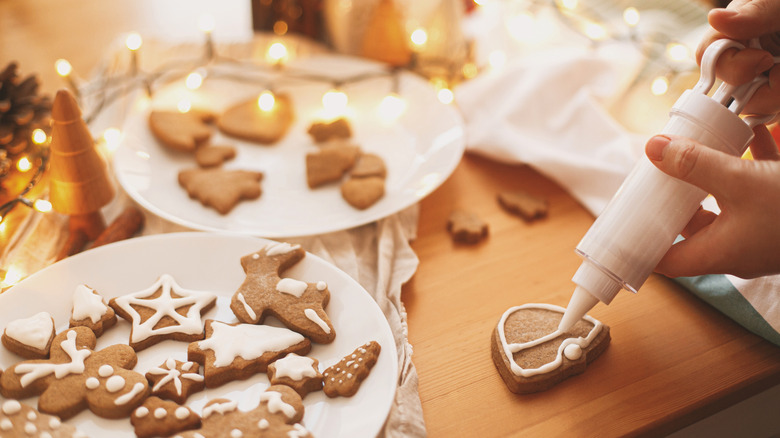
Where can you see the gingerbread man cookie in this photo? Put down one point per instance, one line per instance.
(20, 420)
(221, 189)
(300, 373)
(298, 305)
(30, 337)
(175, 380)
(344, 378)
(163, 311)
(90, 310)
(75, 377)
(277, 415)
(238, 351)
(158, 417)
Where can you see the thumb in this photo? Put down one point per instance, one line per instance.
(694, 163)
(745, 19)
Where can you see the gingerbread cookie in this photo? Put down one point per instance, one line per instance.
(300, 373)
(344, 378)
(90, 310)
(158, 417)
(298, 305)
(181, 131)
(329, 163)
(466, 227)
(20, 420)
(75, 377)
(239, 351)
(212, 156)
(30, 337)
(362, 193)
(175, 380)
(324, 131)
(532, 355)
(277, 415)
(163, 311)
(369, 165)
(221, 189)
(524, 205)
(248, 121)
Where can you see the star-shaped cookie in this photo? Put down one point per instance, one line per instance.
(297, 304)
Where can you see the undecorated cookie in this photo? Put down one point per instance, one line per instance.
(219, 188)
(247, 121)
(213, 156)
(369, 165)
(324, 131)
(523, 204)
(531, 355)
(362, 193)
(466, 227)
(30, 337)
(181, 131)
(330, 162)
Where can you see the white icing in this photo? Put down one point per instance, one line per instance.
(92, 383)
(280, 248)
(295, 367)
(160, 413)
(312, 315)
(6, 424)
(105, 370)
(141, 412)
(321, 285)
(298, 431)
(255, 256)
(54, 423)
(181, 412)
(44, 434)
(186, 366)
(124, 399)
(115, 383)
(247, 341)
(236, 433)
(165, 305)
(510, 349)
(33, 371)
(220, 408)
(572, 352)
(276, 404)
(11, 407)
(174, 375)
(249, 311)
(291, 286)
(30, 428)
(87, 304)
(35, 331)
(31, 416)
(263, 424)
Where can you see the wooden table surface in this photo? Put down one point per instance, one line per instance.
(672, 359)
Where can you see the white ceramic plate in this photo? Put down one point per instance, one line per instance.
(421, 149)
(210, 262)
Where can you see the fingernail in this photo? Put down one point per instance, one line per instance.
(656, 146)
(765, 64)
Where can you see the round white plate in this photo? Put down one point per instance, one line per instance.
(421, 149)
(210, 262)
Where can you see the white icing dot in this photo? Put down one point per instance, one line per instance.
(332, 379)
(356, 366)
(572, 351)
(115, 383)
(160, 413)
(105, 370)
(6, 424)
(44, 434)
(31, 416)
(92, 383)
(354, 356)
(362, 350)
(141, 412)
(197, 435)
(255, 256)
(349, 375)
(360, 359)
(235, 433)
(263, 424)
(321, 285)
(55, 423)
(11, 407)
(181, 412)
(30, 428)
(341, 381)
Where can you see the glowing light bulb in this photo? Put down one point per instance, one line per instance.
(112, 136)
(570, 4)
(470, 70)
(677, 52)
(277, 53)
(659, 86)
(631, 16)
(184, 106)
(63, 67)
(497, 59)
(206, 23)
(133, 41)
(12, 276)
(446, 96)
(194, 81)
(392, 107)
(335, 102)
(595, 31)
(266, 101)
(419, 37)
(24, 164)
(42, 205)
(39, 136)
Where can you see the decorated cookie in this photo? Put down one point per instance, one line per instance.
(369, 165)
(362, 193)
(297, 304)
(75, 377)
(344, 378)
(532, 355)
(524, 205)
(248, 121)
(466, 227)
(300, 373)
(158, 417)
(175, 380)
(181, 131)
(30, 337)
(90, 310)
(239, 351)
(163, 311)
(20, 420)
(277, 415)
(329, 163)
(324, 131)
(221, 189)
(212, 156)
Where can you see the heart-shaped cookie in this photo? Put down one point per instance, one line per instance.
(248, 121)
(30, 337)
(532, 355)
(362, 193)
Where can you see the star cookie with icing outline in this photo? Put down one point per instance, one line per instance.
(297, 304)
(163, 311)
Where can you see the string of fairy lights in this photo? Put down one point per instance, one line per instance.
(102, 91)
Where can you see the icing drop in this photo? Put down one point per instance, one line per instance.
(572, 352)
(115, 383)
(219, 408)
(247, 341)
(105, 370)
(249, 311)
(276, 404)
(263, 424)
(291, 286)
(6, 424)
(236, 433)
(124, 399)
(87, 304)
(160, 413)
(321, 285)
(181, 412)
(11, 407)
(30, 428)
(312, 315)
(92, 383)
(298, 432)
(142, 412)
(31, 416)
(33, 371)
(295, 367)
(280, 248)
(54, 423)
(34, 331)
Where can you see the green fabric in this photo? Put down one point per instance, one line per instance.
(718, 291)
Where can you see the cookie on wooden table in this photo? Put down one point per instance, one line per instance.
(466, 227)
(522, 204)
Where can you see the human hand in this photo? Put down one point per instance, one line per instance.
(744, 239)
(744, 20)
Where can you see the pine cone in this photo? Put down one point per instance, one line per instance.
(22, 110)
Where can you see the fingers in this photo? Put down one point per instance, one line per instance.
(766, 99)
(763, 146)
(743, 20)
(700, 219)
(694, 256)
